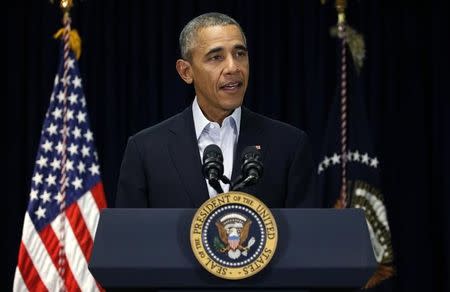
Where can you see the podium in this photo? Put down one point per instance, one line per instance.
(150, 248)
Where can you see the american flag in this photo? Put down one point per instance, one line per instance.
(42, 266)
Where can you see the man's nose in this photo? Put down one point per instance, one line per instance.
(232, 65)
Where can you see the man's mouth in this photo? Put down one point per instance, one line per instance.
(231, 86)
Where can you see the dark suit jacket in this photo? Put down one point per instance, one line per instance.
(161, 167)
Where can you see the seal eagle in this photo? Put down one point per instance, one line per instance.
(233, 237)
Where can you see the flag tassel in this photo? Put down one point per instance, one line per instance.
(74, 40)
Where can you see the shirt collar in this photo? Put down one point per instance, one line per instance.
(200, 121)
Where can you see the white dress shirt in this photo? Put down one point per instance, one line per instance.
(225, 137)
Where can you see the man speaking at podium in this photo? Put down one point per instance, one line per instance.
(162, 165)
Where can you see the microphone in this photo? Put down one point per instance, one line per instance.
(213, 167)
(251, 168)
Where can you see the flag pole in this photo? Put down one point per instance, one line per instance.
(65, 6)
(341, 5)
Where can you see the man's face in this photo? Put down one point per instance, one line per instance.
(219, 69)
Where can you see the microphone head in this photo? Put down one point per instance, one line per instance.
(212, 162)
(252, 162)
(212, 151)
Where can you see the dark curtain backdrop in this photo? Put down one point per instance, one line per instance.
(130, 82)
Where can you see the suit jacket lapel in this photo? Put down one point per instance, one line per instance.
(249, 135)
(183, 149)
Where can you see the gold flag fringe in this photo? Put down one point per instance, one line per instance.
(74, 40)
(383, 271)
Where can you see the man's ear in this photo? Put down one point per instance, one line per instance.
(185, 70)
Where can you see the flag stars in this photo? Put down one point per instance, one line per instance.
(326, 161)
(66, 144)
(89, 136)
(320, 168)
(69, 165)
(42, 162)
(81, 167)
(45, 197)
(81, 117)
(52, 129)
(65, 131)
(57, 113)
(56, 164)
(51, 180)
(37, 178)
(344, 157)
(76, 132)
(59, 147)
(73, 149)
(94, 169)
(33, 194)
(365, 158)
(65, 158)
(77, 183)
(71, 63)
(85, 151)
(354, 157)
(47, 146)
(76, 82)
(40, 212)
(61, 96)
(65, 81)
(59, 198)
(374, 162)
(349, 156)
(335, 159)
(73, 98)
(69, 115)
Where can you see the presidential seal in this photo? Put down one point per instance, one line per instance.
(233, 235)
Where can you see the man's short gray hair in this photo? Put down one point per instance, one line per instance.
(188, 35)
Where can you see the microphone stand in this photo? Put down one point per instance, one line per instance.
(216, 186)
(239, 184)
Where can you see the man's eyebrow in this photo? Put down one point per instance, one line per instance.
(214, 50)
(219, 49)
(241, 47)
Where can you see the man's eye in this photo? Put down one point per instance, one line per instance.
(215, 58)
(241, 53)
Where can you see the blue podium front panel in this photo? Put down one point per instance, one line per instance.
(151, 248)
